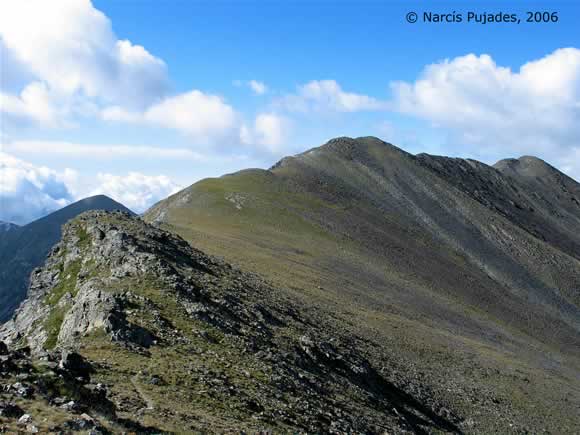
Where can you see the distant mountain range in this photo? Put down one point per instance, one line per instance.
(381, 292)
(7, 226)
(24, 248)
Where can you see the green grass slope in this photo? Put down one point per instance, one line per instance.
(405, 256)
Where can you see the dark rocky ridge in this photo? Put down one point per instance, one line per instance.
(116, 286)
(7, 226)
(529, 192)
(24, 248)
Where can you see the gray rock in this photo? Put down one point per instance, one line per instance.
(22, 390)
(25, 419)
(69, 406)
(75, 363)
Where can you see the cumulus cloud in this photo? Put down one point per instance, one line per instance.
(73, 66)
(73, 50)
(203, 117)
(269, 129)
(135, 190)
(493, 110)
(269, 132)
(76, 67)
(195, 113)
(35, 102)
(28, 192)
(327, 95)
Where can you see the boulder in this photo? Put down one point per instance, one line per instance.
(74, 363)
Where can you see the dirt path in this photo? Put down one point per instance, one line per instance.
(150, 404)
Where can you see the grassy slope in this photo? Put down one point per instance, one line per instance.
(420, 300)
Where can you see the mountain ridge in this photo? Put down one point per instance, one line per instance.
(7, 226)
(24, 248)
(401, 293)
(399, 242)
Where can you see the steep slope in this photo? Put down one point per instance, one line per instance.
(183, 342)
(413, 257)
(26, 247)
(7, 226)
(529, 192)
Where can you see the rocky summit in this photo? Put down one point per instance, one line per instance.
(128, 328)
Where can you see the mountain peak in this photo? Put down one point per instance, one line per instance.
(103, 201)
(7, 226)
(366, 150)
(99, 197)
(349, 144)
(527, 166)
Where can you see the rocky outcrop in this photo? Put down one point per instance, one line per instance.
(69, 297)
(24, 248)
(29, 389)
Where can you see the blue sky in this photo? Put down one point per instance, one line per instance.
(136, 99)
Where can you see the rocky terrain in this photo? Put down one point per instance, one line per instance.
(128, 328)
(22, 248)
(52, 394)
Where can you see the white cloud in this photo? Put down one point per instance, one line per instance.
(101, 151)
(70, 63)
(269, 129)
(327, 95)
(73, 67)
(28, 192)
(201, 116)
(36, 103)
(195, 113)
(259, 88)
(135, 190)
(494, 111)
(269, 132)
(72, 48)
